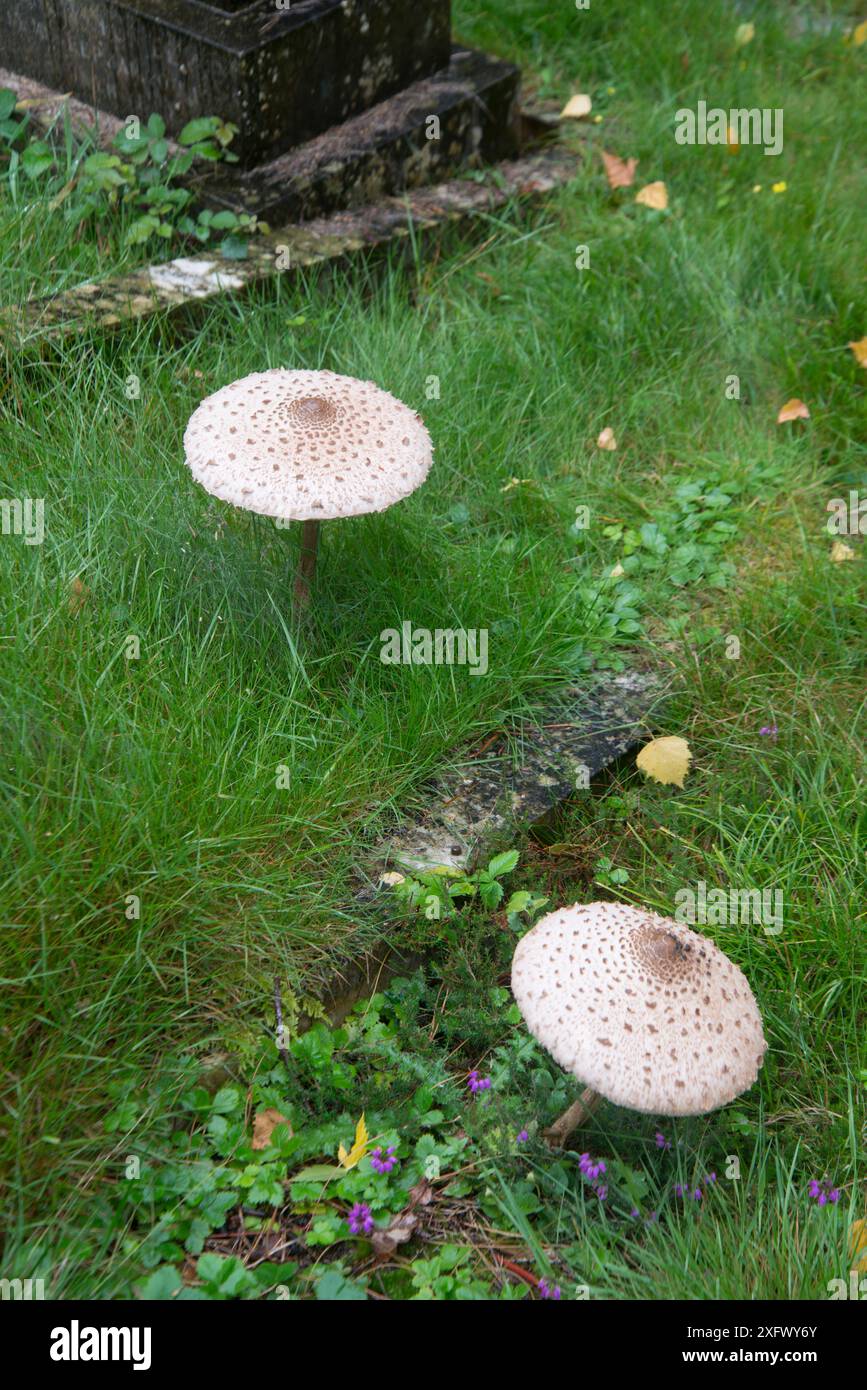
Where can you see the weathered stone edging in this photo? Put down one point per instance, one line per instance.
(174, 285)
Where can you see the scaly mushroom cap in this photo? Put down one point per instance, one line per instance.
(650, 1014)
(306, 445)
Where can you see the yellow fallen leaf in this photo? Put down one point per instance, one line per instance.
(264, 1125)
(620, 173)
(666, 760)
(618, 571)
(858, 1245)
(576, 107)
(793, 410)
(859, 350)
(840, 551)
(606, 439)
(390, 880)
(744, 34)
(653, 195)
(859, 34)
(359, 1146)
(779, 187)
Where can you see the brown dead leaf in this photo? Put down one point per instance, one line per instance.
(78, 596)
(390, 879)
(606, 439)
(859, 351)
(402, 1227)
(399, 1230)
(620, 173)
(577, 107)
(653, 195)
(793, 410)
(422, 1194)
(858, 1245)
(264, 1125)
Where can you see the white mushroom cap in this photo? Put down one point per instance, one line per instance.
(307, 445)
(643, 1010)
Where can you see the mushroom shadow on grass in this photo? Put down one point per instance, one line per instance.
(645, 1012)
(307, 446)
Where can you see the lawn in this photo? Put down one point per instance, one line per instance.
(158, 873)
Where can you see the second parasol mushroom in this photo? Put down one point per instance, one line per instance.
(644, 1011)
(307, 446)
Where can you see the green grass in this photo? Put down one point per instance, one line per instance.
(156, 777)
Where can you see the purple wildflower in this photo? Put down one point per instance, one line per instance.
(769, 731)
(635, 1213)
(547, 1291)
(601, 1191)
(695, 1194)
(360, 1219)
(522, 1137)
(381, 1164)
(823, 1193)
(478, 1083)
(661, 1141)
(589, 1168)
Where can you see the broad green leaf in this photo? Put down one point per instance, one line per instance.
(200, 129)
(503, 863)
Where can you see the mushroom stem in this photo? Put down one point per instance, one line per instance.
(577, 1114)
(307, 563)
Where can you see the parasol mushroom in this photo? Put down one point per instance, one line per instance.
(306, 446)
(644, 1011)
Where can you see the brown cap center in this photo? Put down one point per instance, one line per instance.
(312, 412)
(664, 954)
